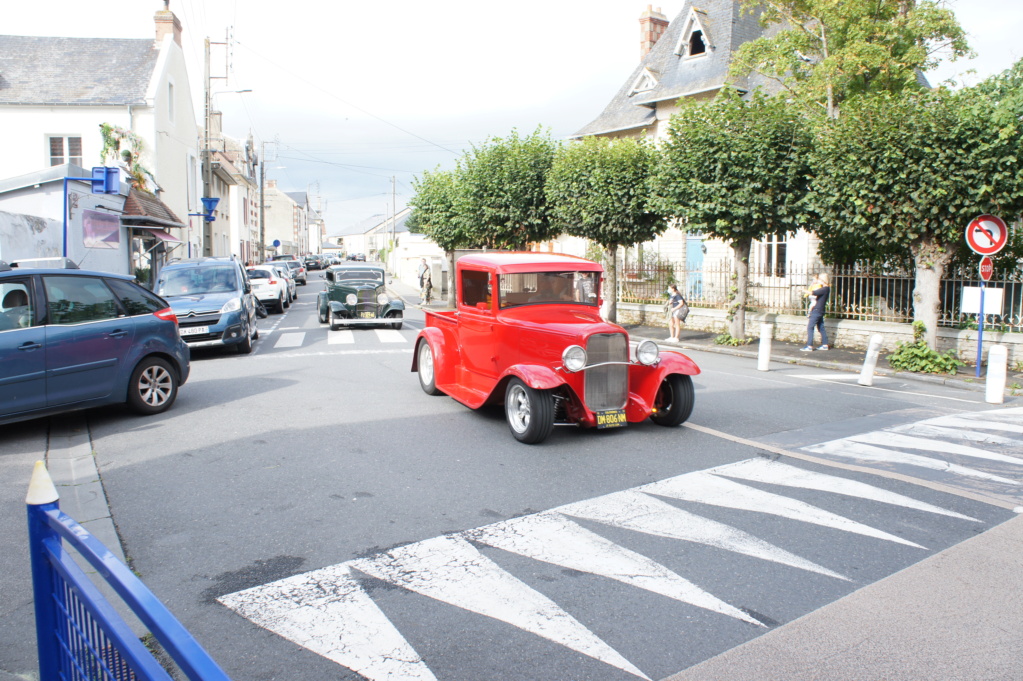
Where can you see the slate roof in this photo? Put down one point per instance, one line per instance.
(726, 28)
(300, 198)
(75, 71)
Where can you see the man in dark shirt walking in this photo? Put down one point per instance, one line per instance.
(819, 292)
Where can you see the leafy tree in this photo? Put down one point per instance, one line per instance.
(434, 214)
(500, 199)
(737, 170)
(597, 189)
(831, 51)
(908, 172)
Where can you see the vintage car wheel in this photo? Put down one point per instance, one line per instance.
(153, 386)
(394, 314)
(332, 320)
(530, 412)
(323, 316)
(427, 377)
(674, 400)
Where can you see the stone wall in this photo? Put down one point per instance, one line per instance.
(844, 333)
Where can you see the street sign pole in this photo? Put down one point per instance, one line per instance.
(985, 235)
(980, 329)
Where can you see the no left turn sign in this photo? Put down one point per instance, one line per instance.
(986, 234)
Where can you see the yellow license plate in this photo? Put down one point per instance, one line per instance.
(368, 315)
(611, 419)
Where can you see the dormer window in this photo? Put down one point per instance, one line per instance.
(646, 81)
(694, 41)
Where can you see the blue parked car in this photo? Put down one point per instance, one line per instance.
(213, 300)
(72, 339)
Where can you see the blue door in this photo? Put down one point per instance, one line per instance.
(694, 267)
(87, 339)
(22, 349)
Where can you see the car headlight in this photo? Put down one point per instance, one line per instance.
(231, 305)
(351, 299)
(647, 352)
(574, 358)
(382, 299)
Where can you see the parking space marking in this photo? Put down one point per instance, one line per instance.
(290, 340)
(340, 337)
(390, 336)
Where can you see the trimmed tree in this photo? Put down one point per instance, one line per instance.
(831, 51)
(598, 189)
(500, 199)
(434, 214)
(737, 170)
(908, 172)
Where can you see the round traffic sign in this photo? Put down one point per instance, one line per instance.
(277, 243)
(986, 234)
(987, 268)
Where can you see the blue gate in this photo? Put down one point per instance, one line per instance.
(80, 636)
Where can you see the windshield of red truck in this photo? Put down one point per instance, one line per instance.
(531, 288)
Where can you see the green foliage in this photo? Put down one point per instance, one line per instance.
(918, 357)
(833, 51)
(121, 145)
(500, 199)
(433, 209)
(597, 189)
(728, 339)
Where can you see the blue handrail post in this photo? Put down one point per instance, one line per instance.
(42, 497)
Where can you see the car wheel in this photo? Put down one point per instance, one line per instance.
(530, 412)
(674, 401)
(153, 386)
(287, 302)
(245, 347)
(332, 320)
(322, 316)
(395, 315)
(427, 377)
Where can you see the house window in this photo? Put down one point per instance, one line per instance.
(65, 150)
(773, 256)
(170, 102)
(696, 44)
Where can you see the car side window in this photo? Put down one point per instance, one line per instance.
(475, 288)
(135, 299)
(76, 300)
(16, 308)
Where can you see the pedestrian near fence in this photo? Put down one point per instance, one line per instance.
(818, 293)
(678, 310)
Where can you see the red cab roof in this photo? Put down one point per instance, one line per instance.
(527, 261)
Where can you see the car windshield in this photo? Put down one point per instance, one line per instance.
(369, 276)
(531, 288)
(186, 281)
(294, 264)
(258, 274)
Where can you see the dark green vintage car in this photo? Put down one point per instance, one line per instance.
(356, 294)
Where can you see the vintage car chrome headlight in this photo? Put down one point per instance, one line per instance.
(351, 299)
(382, 299)
(647, 352)
(574, 358)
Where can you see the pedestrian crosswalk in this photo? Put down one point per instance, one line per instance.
(288, 338)
(334, 612)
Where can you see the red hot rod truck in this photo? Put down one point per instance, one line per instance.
(527, 332)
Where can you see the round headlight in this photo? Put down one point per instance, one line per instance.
(574, 358)
(647, 352)
(351, 299)
(382, 299)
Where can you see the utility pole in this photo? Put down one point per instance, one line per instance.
(207, 169)
(394, 239)
(262, 204)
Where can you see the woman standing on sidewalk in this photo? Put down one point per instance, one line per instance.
(677, 310)
(818, 292)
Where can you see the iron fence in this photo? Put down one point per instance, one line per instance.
(79, 635)
(858, 292)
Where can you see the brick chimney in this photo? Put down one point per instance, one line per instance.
(166, 23)
(651, 27)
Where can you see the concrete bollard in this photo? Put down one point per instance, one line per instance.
(997, 359)
(870, 361)
(764, 354)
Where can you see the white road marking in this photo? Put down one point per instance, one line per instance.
(390, 336)
(329, 613)
(855, 450)
(636, 511)
(832, 377)
(449, 569)
(924, 429)
(290, 340)
(704, 488)
(552, 538)
(890, 439)
(774, 473)
(976, 423)
(340, 337)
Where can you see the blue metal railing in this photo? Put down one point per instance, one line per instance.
(80, 637)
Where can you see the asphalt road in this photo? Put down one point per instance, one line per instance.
(307, 511)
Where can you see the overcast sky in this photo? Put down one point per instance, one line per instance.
(347, 95)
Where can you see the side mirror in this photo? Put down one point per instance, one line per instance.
(247, 288)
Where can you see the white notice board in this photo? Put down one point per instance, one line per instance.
(971, 300)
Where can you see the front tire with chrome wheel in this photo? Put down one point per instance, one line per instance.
(674, 401)
(153, 386)
(530, 412)
(424, 364)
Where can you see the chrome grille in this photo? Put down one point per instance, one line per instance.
(367, 303)
(607, 387)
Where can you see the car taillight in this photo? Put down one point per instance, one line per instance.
(273, 282)
(167, 315)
